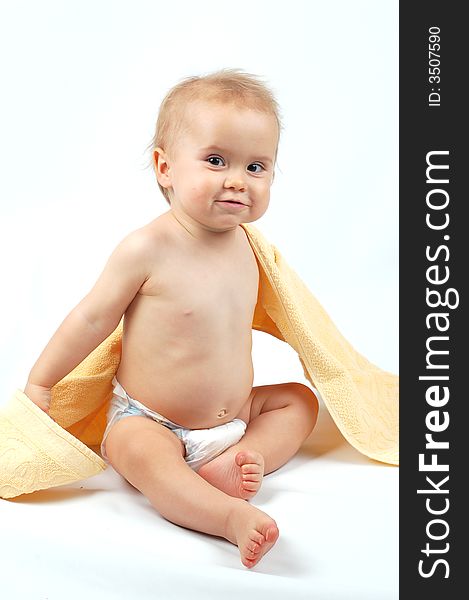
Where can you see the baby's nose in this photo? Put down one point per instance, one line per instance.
(235, 181)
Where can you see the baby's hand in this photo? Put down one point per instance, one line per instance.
(38, 394)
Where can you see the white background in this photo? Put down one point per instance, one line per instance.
(81, 85)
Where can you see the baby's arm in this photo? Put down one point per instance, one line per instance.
(93, 319)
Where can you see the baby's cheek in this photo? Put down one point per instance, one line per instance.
(261, 205)
(204, 193)
(197, 199)
(194, 194)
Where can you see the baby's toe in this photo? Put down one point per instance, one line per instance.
(256, 539)
(253, 549)
(250, 486)
(251, 469)
(241, 459)
(251, 557)
(271, 533)
(252, 477)
(245, 458)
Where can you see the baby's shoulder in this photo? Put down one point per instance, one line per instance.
(146, 239)
(138, 251)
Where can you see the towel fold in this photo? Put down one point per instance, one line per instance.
(36, 453)
(361, 397)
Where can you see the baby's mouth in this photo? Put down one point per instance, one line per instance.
(232, 202)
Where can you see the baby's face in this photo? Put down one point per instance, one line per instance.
(221, 167)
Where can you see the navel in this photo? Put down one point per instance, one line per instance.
(222, 413)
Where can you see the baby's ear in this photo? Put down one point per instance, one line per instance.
(161, 167)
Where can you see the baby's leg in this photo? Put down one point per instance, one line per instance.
(280, 417)
(151, 458)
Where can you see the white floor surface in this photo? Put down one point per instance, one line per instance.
(336, 510)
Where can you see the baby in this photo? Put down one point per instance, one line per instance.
(201, 437)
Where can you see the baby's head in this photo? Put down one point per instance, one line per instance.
(228, 93)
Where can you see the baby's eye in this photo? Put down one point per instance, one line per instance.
(260, 167)
(216, 161)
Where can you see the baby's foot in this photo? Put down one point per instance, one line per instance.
(238, 473)
(253, 531)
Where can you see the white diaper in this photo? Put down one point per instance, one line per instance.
(202, 445)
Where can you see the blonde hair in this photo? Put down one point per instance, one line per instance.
(226, 86)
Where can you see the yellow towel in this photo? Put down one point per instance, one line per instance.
(362, 399)
(36, 453)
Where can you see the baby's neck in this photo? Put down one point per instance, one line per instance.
(200, 233)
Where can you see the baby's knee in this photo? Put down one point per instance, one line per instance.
(121, 447)
(136, 443)
(306, 401)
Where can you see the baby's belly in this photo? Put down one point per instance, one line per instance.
(196, 391)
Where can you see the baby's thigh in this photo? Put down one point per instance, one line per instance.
(136, 444)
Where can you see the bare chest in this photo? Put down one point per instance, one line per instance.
(205, 290)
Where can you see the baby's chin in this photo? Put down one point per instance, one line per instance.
(253, 217)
